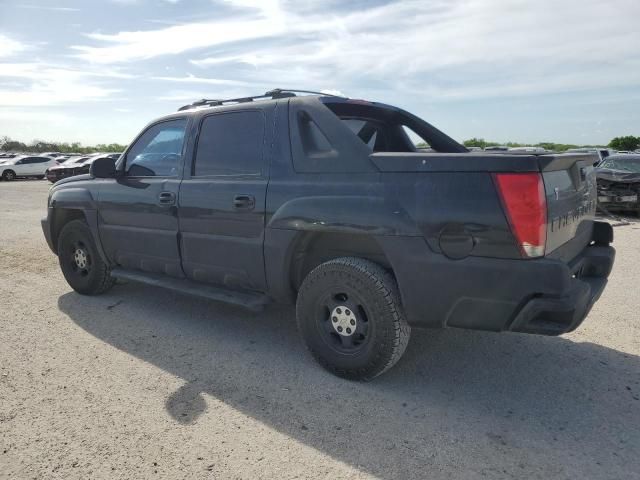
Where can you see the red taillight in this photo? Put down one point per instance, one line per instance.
(525, 204)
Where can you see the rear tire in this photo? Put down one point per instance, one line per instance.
(8, 175)
(80, 262)
(350, 316)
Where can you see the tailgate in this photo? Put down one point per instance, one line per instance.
(570, 189)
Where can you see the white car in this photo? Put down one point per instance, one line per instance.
(25, 166)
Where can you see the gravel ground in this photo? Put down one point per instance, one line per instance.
(143, 382)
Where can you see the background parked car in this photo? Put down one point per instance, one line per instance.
(618, 178)
(26, 166)
(496, 148)
(528, 150)
(68, 167)
(77, 166)
(601, 152)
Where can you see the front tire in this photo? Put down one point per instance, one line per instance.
(350, 316)
(81, 265)
(8, 175)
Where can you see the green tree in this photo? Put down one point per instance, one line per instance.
(39, 146)
(475, 142)
(628, 142)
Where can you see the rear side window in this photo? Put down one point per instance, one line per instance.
(369, 132)
(230, 144)
(158, 151)
(386, 129)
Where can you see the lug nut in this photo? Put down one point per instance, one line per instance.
(353, 322)
(338, 310)
(348, 330)
(335, 319)
(339, 329)
(347, 312)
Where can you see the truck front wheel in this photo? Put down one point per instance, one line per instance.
(350, 316)
(80, 262)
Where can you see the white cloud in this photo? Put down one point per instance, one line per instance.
(9, 46)
(36, 85)
(453, 49)
(129, 46)
(193, 79)
(44, 7)
(330, 91)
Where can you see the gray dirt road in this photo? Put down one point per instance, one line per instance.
(146, 383)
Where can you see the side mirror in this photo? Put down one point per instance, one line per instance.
(103, 168)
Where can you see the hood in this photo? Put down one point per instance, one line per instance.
(621, 176)
(67, 165)
(60, 166)
(75, 178)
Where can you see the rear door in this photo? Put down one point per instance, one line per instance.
(25, 166)
(222, 201)
(41, 164)
(137, 212)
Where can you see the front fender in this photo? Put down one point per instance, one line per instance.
(76, 199)
(72, 198)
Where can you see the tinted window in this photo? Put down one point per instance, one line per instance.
(158, 152)
(369, 132)
(230, 144)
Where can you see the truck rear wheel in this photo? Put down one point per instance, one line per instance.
(80, 262)
(350, 316)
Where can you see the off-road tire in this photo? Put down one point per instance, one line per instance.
(377, 293)
(96, 278)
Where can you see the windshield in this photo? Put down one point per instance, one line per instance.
(631, 164)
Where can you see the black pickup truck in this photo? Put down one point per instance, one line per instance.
(366, 217)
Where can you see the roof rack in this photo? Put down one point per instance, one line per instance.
(273, 94)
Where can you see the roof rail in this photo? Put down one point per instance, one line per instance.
(273, 94)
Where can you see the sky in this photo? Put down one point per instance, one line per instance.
(507, 70)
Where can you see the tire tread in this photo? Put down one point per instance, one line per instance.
(104, 281)
(386, 288)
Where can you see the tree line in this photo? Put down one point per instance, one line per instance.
(628, 142)
(39, 146)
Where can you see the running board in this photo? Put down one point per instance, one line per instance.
(251, 301)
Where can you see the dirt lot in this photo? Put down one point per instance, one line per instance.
(146, 383)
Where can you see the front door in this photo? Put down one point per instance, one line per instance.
(137, 211)
(28, 166)
(222, 201)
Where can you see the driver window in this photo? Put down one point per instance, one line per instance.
(158, 152)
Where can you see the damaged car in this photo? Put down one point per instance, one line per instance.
(618, 178)
(77, 166)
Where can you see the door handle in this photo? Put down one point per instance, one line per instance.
(167, 198)
(244, 202)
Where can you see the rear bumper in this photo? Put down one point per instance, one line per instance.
(545, 296)
(554, 315)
